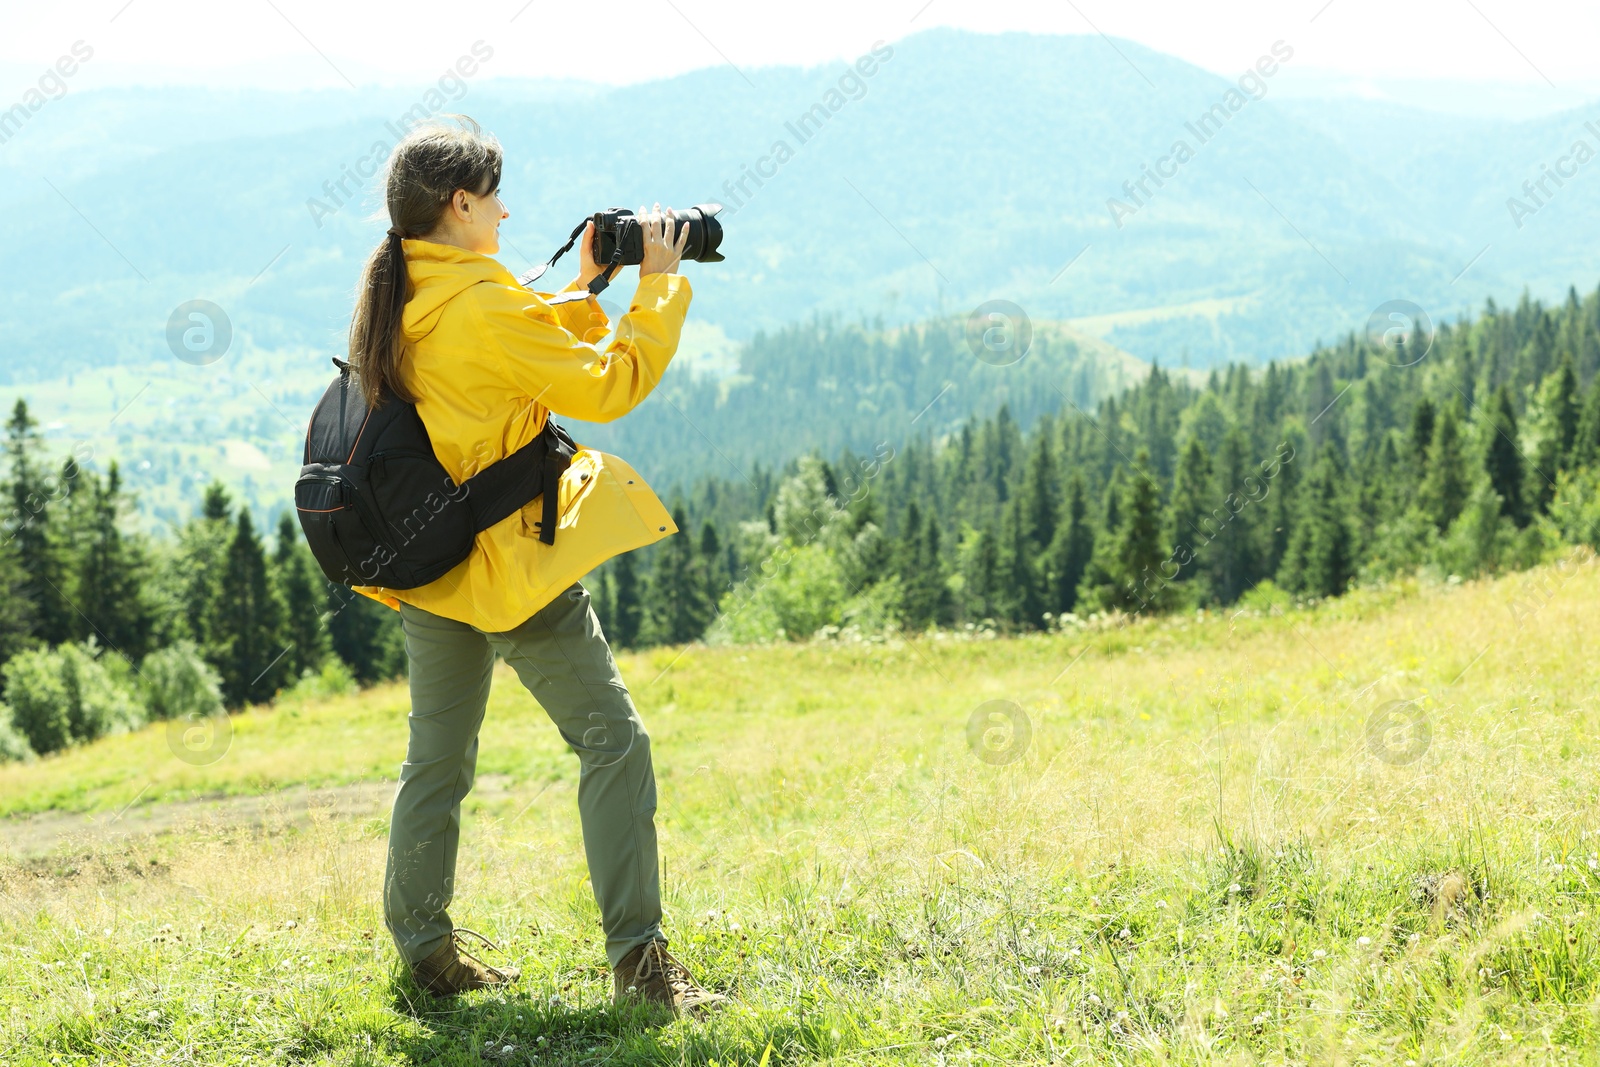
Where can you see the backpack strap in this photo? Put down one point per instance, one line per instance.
(534, 469)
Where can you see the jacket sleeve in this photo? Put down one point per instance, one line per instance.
(544, 358)
(584, 319)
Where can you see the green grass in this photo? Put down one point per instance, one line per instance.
(1198, 858)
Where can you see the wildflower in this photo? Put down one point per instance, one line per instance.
(1363, 941)
(1319, 953)
(1161, 904)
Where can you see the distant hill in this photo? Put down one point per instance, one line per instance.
(971, 167)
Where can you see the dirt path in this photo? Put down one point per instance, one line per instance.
(41, 834)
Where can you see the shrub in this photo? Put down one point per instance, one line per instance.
(178, 684)
(65, 695)
(14, 747)
(333, 680)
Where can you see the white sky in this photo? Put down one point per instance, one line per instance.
(1541, 51)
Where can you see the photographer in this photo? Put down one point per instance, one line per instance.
(441, 324)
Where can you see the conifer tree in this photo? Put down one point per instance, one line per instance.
(1444, 488)
(1071, 550)
(1586, 441)
(624, 622)
(1231, 561)
(1021, 600)
(1185, 537)
(1502, 460)
(678, 610)
(1319, 560)
(109, 586)
(1040, 493)
(300, 586)
(33, 528)
(247, 646)
(1557, 430)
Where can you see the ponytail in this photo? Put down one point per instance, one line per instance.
(375, 326)
(423, 172)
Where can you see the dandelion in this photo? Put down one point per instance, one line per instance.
(1319, 953)
(1161, 904)
(1363, 941)
(290, 925)
(1126, 933)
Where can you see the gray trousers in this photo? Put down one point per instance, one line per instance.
(563, 659)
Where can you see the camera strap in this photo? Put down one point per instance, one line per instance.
(597, 284)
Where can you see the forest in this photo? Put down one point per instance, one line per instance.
(1475, 450)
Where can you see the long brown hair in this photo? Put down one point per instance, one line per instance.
(422, 174)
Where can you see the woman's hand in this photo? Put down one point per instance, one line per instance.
(661, 254)
(588, 269)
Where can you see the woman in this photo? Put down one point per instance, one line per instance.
(442, 325)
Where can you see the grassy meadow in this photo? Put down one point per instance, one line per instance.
(1363, 832)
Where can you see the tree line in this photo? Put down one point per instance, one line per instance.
(228, 616)
(1471, 451)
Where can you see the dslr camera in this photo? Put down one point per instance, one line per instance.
(619, 228)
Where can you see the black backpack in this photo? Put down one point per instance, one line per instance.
(378, 508)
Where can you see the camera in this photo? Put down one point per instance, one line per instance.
(619, 228)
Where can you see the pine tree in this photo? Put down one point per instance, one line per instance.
(31, 528)
(1231, 561)
(247, 645)
(981, 588)
(366, 635)
(202, 558)
(16, 611)
(626, 607)
(678, 611)
(1586, 442)
(1022, 601)
(925, 597)
(714, 566)
(1319, 561)
(1039, 493)
(299, 585)
(1502, 460)
(1557, 432)
(1185, 537)
(109, 586)
(1133, 574)
(1444, 488)
(1071, 550)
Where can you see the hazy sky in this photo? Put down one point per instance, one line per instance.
(1539, 52)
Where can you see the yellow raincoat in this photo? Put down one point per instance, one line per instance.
(488, 362)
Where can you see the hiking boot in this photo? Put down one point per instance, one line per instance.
(652, 975)
(452, 969)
